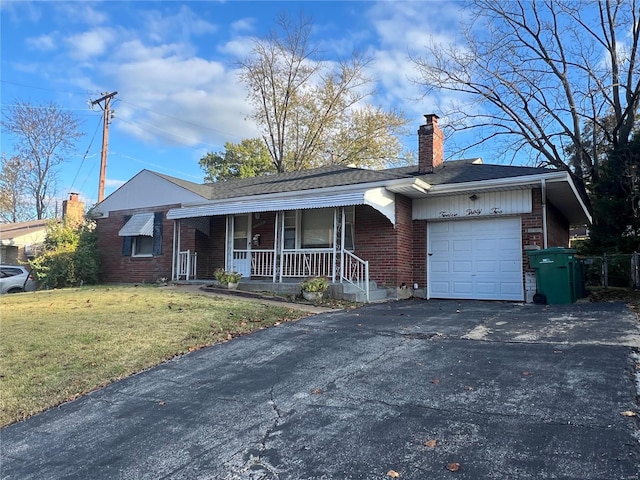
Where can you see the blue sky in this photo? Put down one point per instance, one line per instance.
(173, 66)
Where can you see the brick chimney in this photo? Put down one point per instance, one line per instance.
(73, 210)
(430, 145)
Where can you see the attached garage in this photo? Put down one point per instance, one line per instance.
(475, 259)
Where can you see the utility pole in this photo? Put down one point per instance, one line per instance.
(107, 117)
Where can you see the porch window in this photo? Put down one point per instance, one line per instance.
(314, 228)
(348, 228)
(290, 228)
(240, 232)
(317, 228)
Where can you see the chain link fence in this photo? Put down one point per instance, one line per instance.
(612, 270)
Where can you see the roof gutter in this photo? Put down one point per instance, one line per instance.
(522, 181)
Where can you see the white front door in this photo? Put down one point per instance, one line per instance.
(241, 261)
(475, 259)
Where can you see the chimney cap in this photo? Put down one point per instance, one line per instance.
(431, 118)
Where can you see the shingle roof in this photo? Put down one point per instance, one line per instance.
(13, 230)
(461, 171)
(458, 171)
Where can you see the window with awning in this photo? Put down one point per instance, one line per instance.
(142, 235)
(140, 224)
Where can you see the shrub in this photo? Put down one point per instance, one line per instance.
(224, 277)
(315, 284)
(70, 256)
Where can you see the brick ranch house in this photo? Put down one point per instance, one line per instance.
(455, 229)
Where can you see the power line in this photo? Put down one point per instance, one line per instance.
(85, 155)
(78, 92)
(180, 120)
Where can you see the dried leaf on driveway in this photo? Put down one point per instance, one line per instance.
(453, 466)
(316, 391)
(436, 381)
(629, 413)
(393, 474)
(431, 443)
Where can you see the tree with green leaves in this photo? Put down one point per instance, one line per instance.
(312, 110)
(249, 158)
(44, 136)
(14, 205)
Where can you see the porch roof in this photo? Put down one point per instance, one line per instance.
(378, 198)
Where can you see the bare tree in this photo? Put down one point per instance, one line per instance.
(539, 71)
(43, 134)
(14, 206)
(302, 103)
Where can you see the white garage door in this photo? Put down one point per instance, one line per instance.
(475, 259)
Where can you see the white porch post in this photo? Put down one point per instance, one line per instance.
(276, 247)
(228, 244)
(342, 227)
(335, 246)
(281, 249)
(174, 253)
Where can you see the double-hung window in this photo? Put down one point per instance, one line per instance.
(313, 228)
(142, 235)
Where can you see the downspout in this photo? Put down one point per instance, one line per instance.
(543, 186)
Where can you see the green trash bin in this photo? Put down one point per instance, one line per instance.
(555, 275)
(579, 277)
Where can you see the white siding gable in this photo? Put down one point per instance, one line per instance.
(146, 190)
(483, 204)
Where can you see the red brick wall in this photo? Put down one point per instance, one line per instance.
(389, 250)
(420, 252)
(532, 229)
(557, 227)
(265, 227)
(115, 267)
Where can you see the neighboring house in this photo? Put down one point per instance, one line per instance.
(22, 241)
(455, 229)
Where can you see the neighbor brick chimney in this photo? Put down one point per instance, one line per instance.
(73, 210)
(430, 145)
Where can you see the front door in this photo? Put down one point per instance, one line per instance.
(241, 261)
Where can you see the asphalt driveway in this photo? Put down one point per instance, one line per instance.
(413, 390)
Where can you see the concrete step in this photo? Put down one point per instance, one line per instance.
(352, 293)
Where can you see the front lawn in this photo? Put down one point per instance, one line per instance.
(57, 345)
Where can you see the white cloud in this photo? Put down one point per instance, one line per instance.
(90, 44)
(42, 42)
(183, 25)
(82, 12)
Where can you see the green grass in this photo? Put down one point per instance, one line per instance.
(58, 345)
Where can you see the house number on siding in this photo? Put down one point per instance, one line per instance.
(474, 211)
(444, 214)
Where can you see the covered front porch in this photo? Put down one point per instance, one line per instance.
(273, 251)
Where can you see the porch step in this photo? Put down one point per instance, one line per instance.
(352, 293)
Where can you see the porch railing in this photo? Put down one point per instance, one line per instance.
(356, 272)
(187, 265)
(300, 263)
(262, 263)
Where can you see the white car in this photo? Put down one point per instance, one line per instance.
(16, 278)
